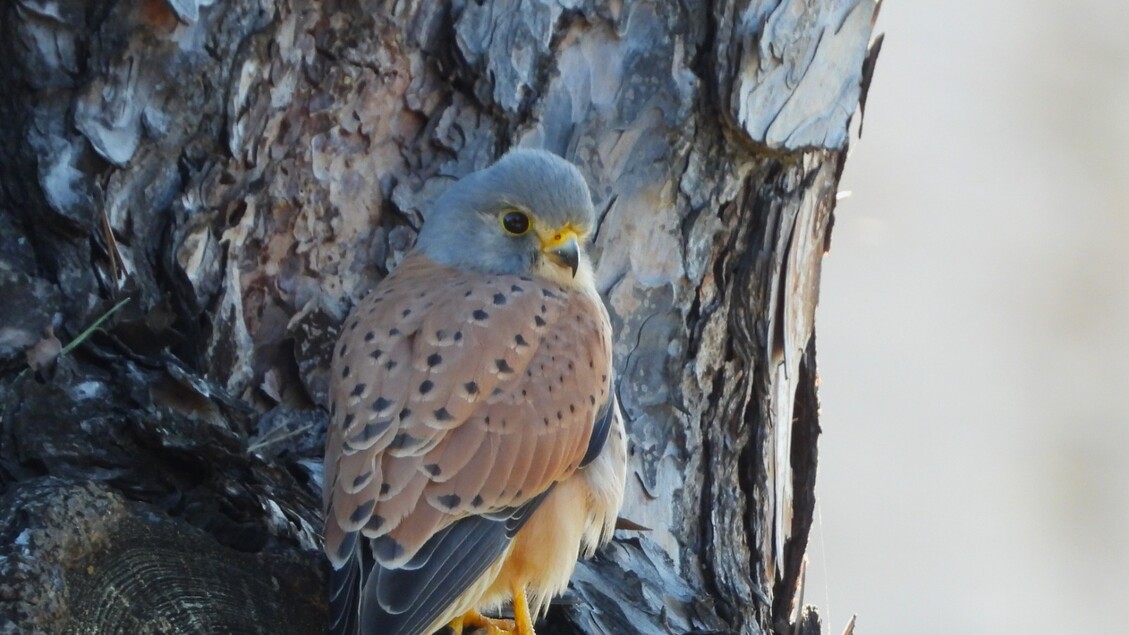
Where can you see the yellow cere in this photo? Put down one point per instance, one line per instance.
(550, 239)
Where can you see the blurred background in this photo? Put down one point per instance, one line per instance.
(973, 330)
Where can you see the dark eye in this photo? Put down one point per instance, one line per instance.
(516, 223)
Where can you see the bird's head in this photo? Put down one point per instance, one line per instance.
(528, 214)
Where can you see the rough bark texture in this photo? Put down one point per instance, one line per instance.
(244, 171)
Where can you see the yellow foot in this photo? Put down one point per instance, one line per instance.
(473, 620)
(523, 623)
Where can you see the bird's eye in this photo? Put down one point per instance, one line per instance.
(516, 223)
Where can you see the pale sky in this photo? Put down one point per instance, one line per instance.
(973, 331)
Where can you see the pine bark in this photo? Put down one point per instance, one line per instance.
(242, 172)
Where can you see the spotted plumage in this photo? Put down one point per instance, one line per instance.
(475, 445)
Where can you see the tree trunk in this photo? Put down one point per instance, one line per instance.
(242, 172)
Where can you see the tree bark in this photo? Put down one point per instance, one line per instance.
(242, 172)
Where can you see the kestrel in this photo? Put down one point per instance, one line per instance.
(475, 446)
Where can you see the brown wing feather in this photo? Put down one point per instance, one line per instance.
(454, 394)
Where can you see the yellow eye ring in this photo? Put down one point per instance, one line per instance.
(516, 222)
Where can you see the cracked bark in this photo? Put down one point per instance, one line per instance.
(244, 171)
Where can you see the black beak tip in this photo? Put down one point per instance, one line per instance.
(567, 255)
(572, 260)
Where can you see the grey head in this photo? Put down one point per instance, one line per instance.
(479, 223)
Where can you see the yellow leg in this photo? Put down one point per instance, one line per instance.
(523, 623)
(473, 620)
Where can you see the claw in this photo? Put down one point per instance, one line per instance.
(473, 620)
(523, 623)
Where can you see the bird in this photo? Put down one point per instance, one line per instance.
(475, 448)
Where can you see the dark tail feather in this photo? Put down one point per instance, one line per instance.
(344, 597)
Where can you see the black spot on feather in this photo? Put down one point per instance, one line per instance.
(369, 432)
(386, 548)
(360, 480)
(362, 511)
(402, 440)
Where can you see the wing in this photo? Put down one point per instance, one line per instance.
(457, 401)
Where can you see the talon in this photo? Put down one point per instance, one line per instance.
(523, 623)
(473, 620)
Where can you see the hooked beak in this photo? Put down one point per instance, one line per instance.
(562, 249)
